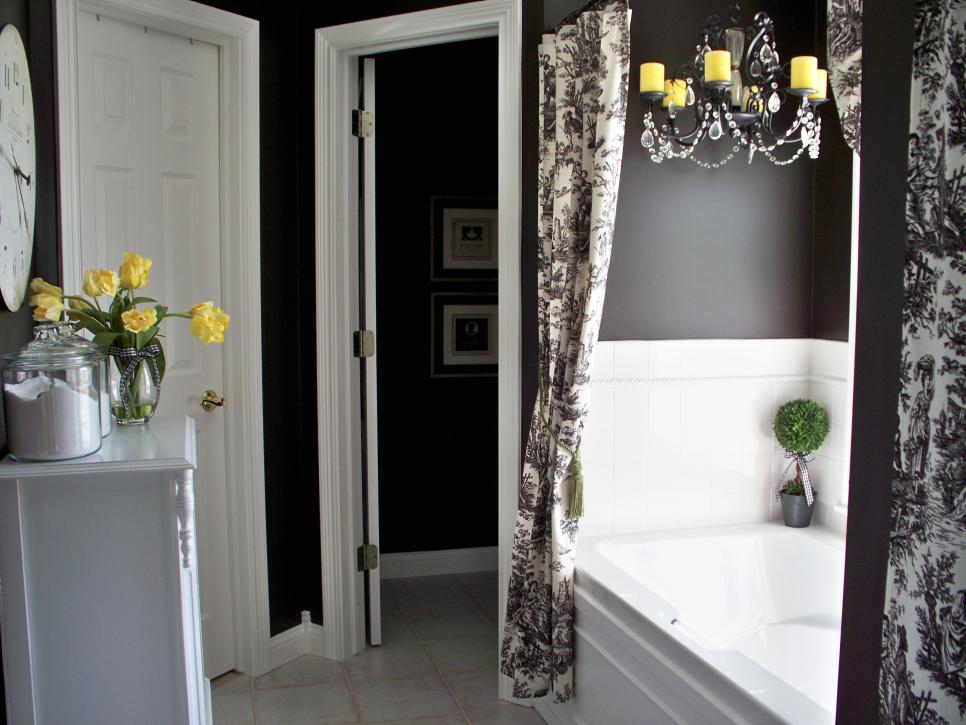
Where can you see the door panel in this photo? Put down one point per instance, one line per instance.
(368, 300)
(149, 156)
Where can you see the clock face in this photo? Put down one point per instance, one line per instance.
(18, 168)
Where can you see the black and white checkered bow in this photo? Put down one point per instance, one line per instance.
(132, 357)
(801, 459)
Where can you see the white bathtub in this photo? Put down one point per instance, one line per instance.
(734, 624)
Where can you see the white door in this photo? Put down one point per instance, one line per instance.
(367, 321)
(149, 157)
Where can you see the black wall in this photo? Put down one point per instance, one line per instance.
(832, 261)
(736, 252)
(450, 422)
(34, 21)
(886, 75)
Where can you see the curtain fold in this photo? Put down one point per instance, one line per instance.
(845, 65)
(923, 673)
(583, 105)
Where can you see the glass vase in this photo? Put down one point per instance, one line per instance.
(133, 401)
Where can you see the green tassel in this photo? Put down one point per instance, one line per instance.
(577, 490)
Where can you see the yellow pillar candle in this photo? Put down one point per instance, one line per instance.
(805, 71)
(717, 66)
(821, 86)
(652, 77)
(676, 91)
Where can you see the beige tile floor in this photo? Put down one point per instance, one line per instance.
(437, 664)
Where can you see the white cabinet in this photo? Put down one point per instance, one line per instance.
(99, 585)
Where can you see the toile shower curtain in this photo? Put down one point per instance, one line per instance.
(923, 673)
(845, 65)
(583, 104)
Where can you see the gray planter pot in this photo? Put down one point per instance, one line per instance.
(796, 512)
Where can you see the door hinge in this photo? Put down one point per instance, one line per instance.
(364, 343)
(367, 557)
(361, 123)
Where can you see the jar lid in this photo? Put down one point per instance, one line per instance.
(54, 347)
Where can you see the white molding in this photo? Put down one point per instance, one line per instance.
(444, 561)
(238, 42)
(336, 286)
(288, 645)
(305, 638)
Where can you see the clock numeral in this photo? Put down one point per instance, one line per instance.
(6, 76)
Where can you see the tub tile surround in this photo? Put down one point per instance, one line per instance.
(679, 433)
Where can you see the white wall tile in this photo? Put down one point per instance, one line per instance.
(630, 359)
(680, 431)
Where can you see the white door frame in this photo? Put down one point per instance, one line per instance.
(336, 209)
(237, 40)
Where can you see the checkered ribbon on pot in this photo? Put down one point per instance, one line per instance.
(132, 357)
(800, 459)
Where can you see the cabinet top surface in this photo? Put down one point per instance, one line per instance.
(164, 444)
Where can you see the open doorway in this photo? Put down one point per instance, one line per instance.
(436, 310)
(428, 290)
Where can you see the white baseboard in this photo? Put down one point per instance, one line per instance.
(429, 563)
(306, 638)
(545, 710)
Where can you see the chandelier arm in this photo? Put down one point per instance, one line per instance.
(789, 135)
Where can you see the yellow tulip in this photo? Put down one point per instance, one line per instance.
(39, 287)
(139, 320)
(47, 307)
(79, 304)
(134, 271)
(99, 282)
(209, 323)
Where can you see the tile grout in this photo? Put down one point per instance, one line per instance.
(436, 667)
(352, 693)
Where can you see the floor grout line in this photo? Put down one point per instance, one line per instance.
(352, 693)
(251, 689)
(439, 671)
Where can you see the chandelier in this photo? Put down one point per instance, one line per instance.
(733, 89)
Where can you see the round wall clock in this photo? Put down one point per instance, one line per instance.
(18, 167)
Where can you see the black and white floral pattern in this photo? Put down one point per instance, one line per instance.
(845, 65)
(583, 105)
(923, 675)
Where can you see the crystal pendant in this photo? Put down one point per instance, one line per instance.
(806, 137)
(715, 130)
(689, 97)
(774, 103)
(672, 110)
(775, 59)
(751, 153)
(766, 54)
(647, 139)
(756, 68)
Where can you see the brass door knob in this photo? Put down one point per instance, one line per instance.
(211, 400)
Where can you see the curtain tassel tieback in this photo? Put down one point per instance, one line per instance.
(801, 459)
(575, 470)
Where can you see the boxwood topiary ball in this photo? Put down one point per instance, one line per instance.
(801, 425)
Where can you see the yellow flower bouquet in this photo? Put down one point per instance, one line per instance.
(127, 328)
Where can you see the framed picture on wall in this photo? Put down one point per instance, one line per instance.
(464, 335)
(464, 238)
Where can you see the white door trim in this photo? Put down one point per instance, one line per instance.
(237, 40)
(337, 285)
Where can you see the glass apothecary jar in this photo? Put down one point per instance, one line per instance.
(52, 398)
